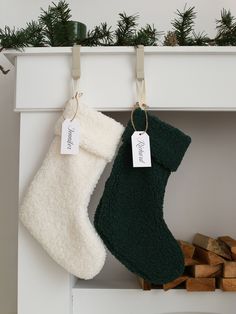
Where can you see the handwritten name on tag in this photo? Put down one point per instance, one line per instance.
(141, 149)
(70, 137)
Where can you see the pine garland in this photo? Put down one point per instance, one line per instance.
(100, 36)
(183, 26)
(183, 29)
(126, 33)
(147, 36)
(226, 29)
(54, 28)
(12, 38)
(126, 29)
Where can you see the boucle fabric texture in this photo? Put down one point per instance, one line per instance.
(129, 217)
(55, 207)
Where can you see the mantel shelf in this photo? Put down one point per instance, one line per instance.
(177, 78)
(122, 299)
(12, 53)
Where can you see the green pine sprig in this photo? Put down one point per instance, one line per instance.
(101, 35)
(12, 38)
(147, 36)
(34, 35)
(200, 39)
(54, 21)
(54, 28)
(183, 26)
(126, 33)
(183, 33)
(226, 29)
(126, 29)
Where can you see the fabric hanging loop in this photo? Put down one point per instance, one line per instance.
(76, 70)
(141, 93)
(146, 118)
(140, 81)
(75, 77)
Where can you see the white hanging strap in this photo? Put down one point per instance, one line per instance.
(141, 93)
(75, 73)
(140, 62)
(140, 81)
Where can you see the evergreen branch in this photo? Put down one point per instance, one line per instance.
(56, 16)
(106, 35)
(61, 11)
(200, 39)
(226, 29)
(47, 20)
(183, 25)
(54, 28)
(12, 38)
(34, 34)
(99, 36)
(147, 36)
(126, 29)
(20, 38)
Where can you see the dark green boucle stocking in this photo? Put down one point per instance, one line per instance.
(129, 217)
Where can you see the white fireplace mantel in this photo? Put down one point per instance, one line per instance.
(177, 79)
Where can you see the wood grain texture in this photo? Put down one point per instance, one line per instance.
(213, 245)
(206, 271)
(200, 284)
(187, 248)
(188, 261)
(229, 270)
(175, 283)
(146, 286)
(207, 257)
(230, 242)
(228, 284)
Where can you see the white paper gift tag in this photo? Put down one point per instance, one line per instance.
(141, 149)
(70, 137)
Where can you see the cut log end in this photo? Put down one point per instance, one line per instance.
(207, 257)
(145, 285)
(216, 246)
(228, 284)
(175, 283)
(200, 284)
(187, 248)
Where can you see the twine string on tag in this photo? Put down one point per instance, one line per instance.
(74, 87)
(137, 105)
(76, 98)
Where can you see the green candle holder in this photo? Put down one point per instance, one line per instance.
(79, 30)
(69, 33)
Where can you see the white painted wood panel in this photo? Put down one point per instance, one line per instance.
(199, 197)
(131, 301)
(43, 286)
(177, 78)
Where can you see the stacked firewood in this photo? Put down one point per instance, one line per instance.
(209, 264)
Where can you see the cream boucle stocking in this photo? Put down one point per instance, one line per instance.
(55, 206)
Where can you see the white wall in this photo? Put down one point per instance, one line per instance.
(13, 12)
